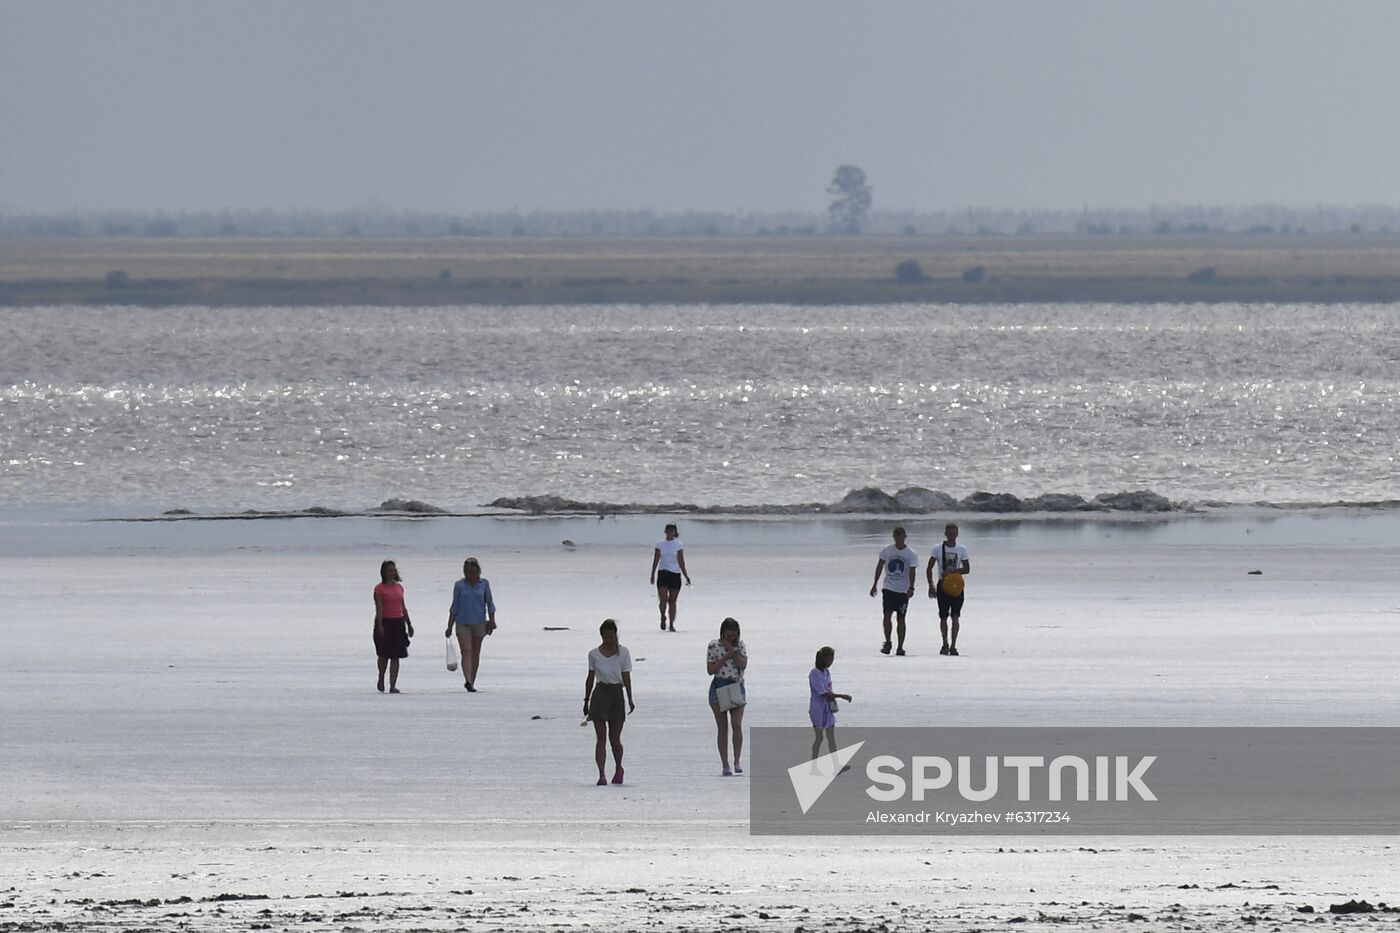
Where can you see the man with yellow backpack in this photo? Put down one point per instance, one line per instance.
(950, 560)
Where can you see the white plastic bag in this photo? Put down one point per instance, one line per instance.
(452, 658)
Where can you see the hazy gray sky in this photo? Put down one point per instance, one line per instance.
(714, 105)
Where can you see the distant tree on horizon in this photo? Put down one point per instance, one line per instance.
(853, 199)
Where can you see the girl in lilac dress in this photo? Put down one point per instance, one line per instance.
(821, 709)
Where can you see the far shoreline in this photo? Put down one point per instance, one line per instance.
(1217, 511)
(700, 270)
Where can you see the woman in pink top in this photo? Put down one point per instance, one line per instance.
(392, 628)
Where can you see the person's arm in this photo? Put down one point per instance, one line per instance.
(680, 559)
(627, 686)
(655, 559)
(452, 611)
(712, 666)
(913, 578)
(378, 613)
(490, 610)
(928, 574)
(407, 620)
(966, 567)
(741, 658)
(587, 689)
(879, 569)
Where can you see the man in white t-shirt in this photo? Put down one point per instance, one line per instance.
(897, 565)
(669, 557)
(950, 560)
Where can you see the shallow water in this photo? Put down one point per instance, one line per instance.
(269, 408)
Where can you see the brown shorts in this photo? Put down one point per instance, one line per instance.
(607, 704)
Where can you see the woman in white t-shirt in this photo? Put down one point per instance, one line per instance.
(726, 659)
(609, 676)
(667, 568)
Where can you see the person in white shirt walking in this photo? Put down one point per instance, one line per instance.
(609, 677)
(950, 560)
(667, 569)
(897, 565)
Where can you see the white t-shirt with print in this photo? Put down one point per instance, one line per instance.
(949, 559)
(898, 563)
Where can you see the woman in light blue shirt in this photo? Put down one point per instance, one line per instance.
(473, 613)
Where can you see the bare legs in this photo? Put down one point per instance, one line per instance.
(470, 643)
(666, 603)
(899, 629)
(736, 721)
(830, 732)
(608, 733)
(393, 666)
(723, 723)
(943, 629)
(600, 750)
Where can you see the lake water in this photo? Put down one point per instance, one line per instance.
(241, 408)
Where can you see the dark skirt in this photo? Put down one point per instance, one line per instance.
(394, 642)
(608, 704)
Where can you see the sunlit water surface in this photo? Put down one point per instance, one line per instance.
(345, 407)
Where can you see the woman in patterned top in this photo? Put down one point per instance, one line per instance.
(726, 660)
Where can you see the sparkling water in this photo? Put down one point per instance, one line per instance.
(739, 405)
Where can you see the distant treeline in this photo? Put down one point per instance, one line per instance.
(1175, 221)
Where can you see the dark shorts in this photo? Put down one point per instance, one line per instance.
(895, 602)
(949, 605)
(394, 642)
(668, 580)
(607, 704)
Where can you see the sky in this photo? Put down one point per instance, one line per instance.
(476, 106)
